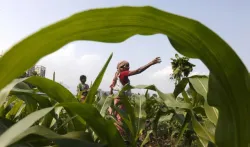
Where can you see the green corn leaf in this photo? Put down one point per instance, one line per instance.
(61, 140)
(57, 113)
(20, 89)
(187, 36)
(216, 92)
(105, 103)
(180, 86)
(147, 138)
(18, 128)
(53, 89)
(128, 116)
(128, 124)
(168, 99)
(140, 114)
(31, 99)
(12, 113)
(31, 104)
(5, 91)
(204, 143)
(21, 109)
(201, 130)
(130, 112)
(200, 84)
(10, 100)
(92, 92)
(183, 128)
(105, 129)
(59, 93)
(81, 135)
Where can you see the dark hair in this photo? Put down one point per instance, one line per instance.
(83, 77)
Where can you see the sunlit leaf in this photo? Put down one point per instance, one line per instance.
(12, 113)
(201, 131)
(5, 91)
(104, 104)
(140, 114)
(200, 84)
(187, 36)
(92, 92)
(168, 99)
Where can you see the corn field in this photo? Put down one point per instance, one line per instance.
(202, 110)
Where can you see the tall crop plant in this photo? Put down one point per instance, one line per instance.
(228, 87)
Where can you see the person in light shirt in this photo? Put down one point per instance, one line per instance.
(82, 88)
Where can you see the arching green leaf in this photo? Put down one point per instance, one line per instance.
(187, 36)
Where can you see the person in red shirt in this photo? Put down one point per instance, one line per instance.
(121, 79)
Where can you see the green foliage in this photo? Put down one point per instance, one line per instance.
(181, 68)
(8, 137)
(103, 128)
(91, 94)
(227, 90)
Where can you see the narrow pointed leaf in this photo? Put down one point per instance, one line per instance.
(187, 36)
(92, 92)
(12, 113)
(61, 140)
(18, 128)
(180, 86)
(183, 128)
(105, 129)
(104, 104)
(147, 138)
(140, 114)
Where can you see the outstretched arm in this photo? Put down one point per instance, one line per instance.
(143, 68)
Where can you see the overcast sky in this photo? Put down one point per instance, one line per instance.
(19, 18)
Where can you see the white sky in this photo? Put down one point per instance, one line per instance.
(18, 19)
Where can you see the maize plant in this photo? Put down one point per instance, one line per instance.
(217, 107)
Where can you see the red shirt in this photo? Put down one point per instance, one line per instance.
(124, 77)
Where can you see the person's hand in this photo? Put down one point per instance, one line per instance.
(156, 60)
